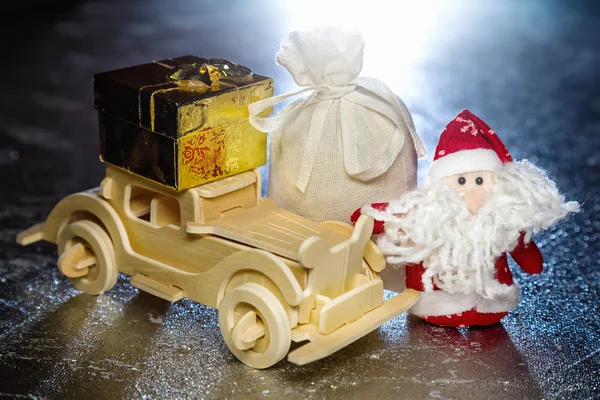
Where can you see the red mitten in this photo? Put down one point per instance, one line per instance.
(528, 256)
(378, 227)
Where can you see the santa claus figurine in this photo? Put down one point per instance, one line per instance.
(452, 233)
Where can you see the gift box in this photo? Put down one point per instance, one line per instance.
(181, 122)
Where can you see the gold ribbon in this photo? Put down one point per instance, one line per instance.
(215, 74)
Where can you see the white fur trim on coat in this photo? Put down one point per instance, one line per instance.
(464, 161)
(439, 302)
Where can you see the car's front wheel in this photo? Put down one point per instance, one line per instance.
(254, 325)
(87, 257)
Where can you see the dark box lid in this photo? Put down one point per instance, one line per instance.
(127, 93)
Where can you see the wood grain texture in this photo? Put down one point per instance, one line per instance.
(323, 345)
(259, 298)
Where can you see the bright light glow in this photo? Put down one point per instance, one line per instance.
(396, 32)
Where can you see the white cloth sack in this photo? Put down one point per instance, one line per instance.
(350, 142)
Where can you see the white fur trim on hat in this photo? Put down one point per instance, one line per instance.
(464, 161)
(439, 302)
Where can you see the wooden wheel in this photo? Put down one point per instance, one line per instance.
(87, 257)
(254, 325)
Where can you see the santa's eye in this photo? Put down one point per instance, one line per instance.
(479, 180)
(462, 180)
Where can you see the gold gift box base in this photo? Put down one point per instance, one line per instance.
(199, 157)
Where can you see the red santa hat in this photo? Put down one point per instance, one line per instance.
(467, 144)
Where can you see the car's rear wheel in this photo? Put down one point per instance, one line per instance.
(254, 325)
(87, 257)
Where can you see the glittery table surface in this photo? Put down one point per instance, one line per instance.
(530, 69)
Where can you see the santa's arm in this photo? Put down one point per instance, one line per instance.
(528, 256)
(378, 226)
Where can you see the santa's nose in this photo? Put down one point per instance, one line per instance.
(475, 199)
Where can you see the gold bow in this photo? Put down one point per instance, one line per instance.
(215, 72)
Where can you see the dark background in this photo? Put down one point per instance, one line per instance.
(528, 68)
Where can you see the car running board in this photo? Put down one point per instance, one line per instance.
(167, 292)
(31, 235)
(321, 346)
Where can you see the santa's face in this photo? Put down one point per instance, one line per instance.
(474, 187)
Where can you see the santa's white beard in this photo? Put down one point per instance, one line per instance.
(432, 224)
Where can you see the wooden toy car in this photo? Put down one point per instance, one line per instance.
(275, 277)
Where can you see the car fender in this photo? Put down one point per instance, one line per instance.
(89, 202)
(265, 263)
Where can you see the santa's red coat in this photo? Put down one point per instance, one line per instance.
(457, 310)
